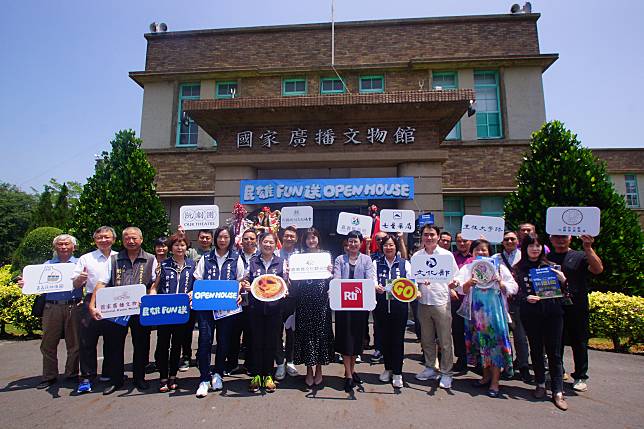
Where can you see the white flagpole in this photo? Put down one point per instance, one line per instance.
(332, 32)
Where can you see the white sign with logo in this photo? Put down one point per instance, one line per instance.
(309, 266)
(352, 294)
(199, 217)
(348, 222)
(297, 216)
(47, 278)
(119, 300)
(490, 227)
(392, 220)
(439, 268)
(573, 221)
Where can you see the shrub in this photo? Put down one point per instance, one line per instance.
(617, 316)
(36, 248)
(15, 308)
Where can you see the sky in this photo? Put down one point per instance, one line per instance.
(65, 64)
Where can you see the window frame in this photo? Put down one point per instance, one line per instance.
(294, 80)
(228, 95)
(636, 195)
(181, 99)
(453, 214)
(491, 198)
(333, 91)
(498, 112)
(457, 127)
(371, 77)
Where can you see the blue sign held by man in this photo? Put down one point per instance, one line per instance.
(215, 295)
(164, 309)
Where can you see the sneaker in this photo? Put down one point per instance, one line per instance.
(397, 382)
(280, 372)
(185, 365)
(269, 384)
(84, 387)
(376, 357)
(385, 377)
(358, 359)
(217, 383)
(202, 391)
(580, 386)
(446, 381)
(291, 370)
(426, 374)
(255, 384)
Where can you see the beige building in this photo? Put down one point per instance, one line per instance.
(264, 103)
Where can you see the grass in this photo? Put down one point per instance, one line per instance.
(606, 344)
(13, 333)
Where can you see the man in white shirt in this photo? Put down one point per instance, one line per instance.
(434, 313)
(89, 269)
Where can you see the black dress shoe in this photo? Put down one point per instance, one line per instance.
(45, 384)
(348, 385)
(141, 384)
(525, 375)
(356, 378)
(111, 389)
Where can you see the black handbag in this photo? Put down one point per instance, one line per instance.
(38, 307)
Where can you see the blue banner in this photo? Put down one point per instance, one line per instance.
(545, 283)
(425, 219)
(164, 309)
(298, 190)
(215, 295)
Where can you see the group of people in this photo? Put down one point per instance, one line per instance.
(457, 319)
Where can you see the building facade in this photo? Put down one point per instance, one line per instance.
(265, 103)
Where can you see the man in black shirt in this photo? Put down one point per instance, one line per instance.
(575, 265)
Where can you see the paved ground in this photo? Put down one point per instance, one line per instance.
(615, 399)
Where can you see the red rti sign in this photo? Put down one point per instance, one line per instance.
(351, 295)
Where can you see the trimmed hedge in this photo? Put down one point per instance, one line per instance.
(36, 248)
(618, 317)
(15, 308)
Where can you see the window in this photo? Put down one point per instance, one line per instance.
(187, 128)
(331, 85)
(453, 213)
(448, 80)
(226, 89)
(488, 108)
(632, 196)
(492, 206)
(372, 84)
(295, 86)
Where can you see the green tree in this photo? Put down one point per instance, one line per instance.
(121, 193)
(36, 248)
(55, 205)
(557, 172)
(17, 208)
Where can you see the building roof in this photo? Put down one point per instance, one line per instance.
(385, 44)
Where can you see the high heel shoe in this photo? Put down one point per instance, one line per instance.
(348, 385)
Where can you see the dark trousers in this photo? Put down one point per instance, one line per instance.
(208, 328)
(390, 327)
(186, 342)
(519, 336)
(265, 328)
(545, 330)
(114, 338)
(285, 349)
(90, 331)
(576, 334)
(414, 311)
(458, 329)
(240, 327)
(169, 341)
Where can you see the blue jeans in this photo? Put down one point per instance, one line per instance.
(207, 325)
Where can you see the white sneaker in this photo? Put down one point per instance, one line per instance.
(385, 377)
(446, 381)
(580, 386)
(291, 370)
(426, 374)
(358, 359)
(217, 383)
(202, 391)
(398, 383)
(280, 373)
